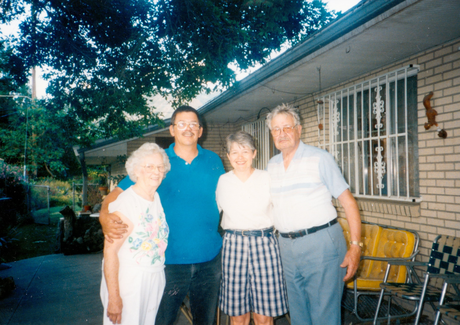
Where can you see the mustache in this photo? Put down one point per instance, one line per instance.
(187, 133)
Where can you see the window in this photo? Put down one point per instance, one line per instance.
(372, 132)
(264, 142)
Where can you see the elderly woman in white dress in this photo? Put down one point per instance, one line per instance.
(252, 276)
(133, 267)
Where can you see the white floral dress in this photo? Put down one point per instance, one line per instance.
(141, 272)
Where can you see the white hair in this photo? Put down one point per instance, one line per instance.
(283, 109)
(136, 157)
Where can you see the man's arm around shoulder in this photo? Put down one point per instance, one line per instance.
(112, 226)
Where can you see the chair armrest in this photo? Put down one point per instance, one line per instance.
(397, 260)
(404, 262)
(448, 278)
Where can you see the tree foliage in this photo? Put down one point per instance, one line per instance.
(12, 80)
(44, 144)
(106, 57)
(29, 133)
(31, 136)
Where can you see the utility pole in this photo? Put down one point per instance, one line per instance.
(34, 75)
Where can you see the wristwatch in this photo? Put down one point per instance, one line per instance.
(359, 243)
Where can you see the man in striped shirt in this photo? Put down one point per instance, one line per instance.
(313, 250)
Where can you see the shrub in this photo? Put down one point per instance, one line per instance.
(60, 193)
(94, 196)
(7, 242)
(12, 186)
(59, 201)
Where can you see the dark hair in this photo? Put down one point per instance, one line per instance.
(182, 109)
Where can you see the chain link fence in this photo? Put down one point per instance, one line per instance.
(94, 196)
(38, 203)
(41, 199)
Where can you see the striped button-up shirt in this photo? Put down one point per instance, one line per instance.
(302, 193)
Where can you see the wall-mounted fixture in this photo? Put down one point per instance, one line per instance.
(431, 115)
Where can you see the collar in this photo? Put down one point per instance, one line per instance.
(297, 154)
(172, 154)
(299, 151)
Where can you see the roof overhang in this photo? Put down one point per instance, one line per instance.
(371, 35)
(107, 151)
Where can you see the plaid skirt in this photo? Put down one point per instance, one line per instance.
(252, 276)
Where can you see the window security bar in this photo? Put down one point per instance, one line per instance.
(371, 130)
(261, 134)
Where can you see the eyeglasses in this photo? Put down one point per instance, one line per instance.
(286, 129)
(152, 168)
(183, 125)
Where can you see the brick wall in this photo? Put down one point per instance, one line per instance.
(136, 143)
(440, 158)
(214, 139)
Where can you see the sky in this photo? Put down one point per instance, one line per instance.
(341, 5)
(337, 5)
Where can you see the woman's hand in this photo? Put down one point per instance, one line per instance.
(114, 309)
(111, 268)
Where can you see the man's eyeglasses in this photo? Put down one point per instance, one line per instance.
(286, 129)
(183, 125)
(152, 168)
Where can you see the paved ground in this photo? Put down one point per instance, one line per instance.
(58, 289)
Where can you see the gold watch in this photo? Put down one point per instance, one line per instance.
(359, 243)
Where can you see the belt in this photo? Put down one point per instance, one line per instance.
(304, 232)
(257, 233)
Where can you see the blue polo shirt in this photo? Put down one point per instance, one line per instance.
(188, 196)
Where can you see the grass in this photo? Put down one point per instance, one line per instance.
(31, 239)
(42, 215)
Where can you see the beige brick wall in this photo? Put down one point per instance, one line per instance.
(439, 159)
(215, 135)
(136, 143)
(214, 139)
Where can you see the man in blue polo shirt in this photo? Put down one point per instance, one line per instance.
(193, 262)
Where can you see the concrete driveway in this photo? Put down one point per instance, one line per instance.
(58, 289)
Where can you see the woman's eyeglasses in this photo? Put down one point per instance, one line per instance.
(152, 168)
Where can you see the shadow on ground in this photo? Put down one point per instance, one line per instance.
(59, 289)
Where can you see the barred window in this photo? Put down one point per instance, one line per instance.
(264, 142)
(371, 128)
